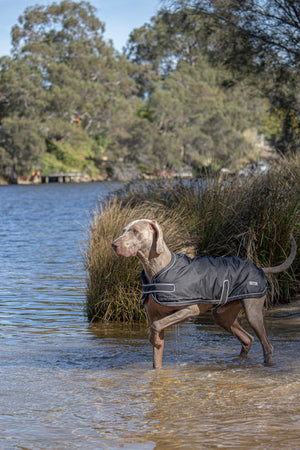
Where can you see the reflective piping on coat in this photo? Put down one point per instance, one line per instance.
(225, 293)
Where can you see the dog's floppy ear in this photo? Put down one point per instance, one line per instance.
(159, 238)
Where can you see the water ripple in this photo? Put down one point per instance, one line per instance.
(67, 385)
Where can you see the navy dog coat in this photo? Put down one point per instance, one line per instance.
(186, 281)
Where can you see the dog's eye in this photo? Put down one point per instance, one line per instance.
(134, 231)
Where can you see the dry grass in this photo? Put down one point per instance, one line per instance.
(250, 218)
(114, 284)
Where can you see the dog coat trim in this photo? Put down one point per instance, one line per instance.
(225, 292)
(186, 281)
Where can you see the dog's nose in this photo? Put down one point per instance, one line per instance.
(114, 245)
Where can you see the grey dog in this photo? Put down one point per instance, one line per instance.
(238, 284)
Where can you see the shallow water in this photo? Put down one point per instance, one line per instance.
(67, 385)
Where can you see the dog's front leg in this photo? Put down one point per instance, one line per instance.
(157, 340)
(177, 317)
(157, 331)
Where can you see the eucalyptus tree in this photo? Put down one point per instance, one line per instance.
(80, 71)
(62, 71)
(199, 111)
(270, 28)
(258, 40)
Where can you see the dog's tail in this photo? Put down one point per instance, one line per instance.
(286, 264)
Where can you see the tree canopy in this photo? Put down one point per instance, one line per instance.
(190, 88)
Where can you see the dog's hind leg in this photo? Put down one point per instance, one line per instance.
(226, 317)
(254, 312)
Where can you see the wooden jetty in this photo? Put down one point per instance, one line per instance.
(74, 177)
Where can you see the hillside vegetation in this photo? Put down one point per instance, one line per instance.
(203, 86)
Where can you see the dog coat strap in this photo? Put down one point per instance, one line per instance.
(158, 287)
(225, 293)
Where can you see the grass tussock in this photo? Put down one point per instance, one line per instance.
(250, 218)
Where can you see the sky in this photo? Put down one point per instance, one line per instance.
(119, 16)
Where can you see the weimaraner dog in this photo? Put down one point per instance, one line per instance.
(144, 238)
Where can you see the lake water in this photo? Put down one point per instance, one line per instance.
(66, 385)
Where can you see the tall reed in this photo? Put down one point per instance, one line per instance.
(251, 218)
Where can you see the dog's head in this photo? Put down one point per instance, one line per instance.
(141, 235)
